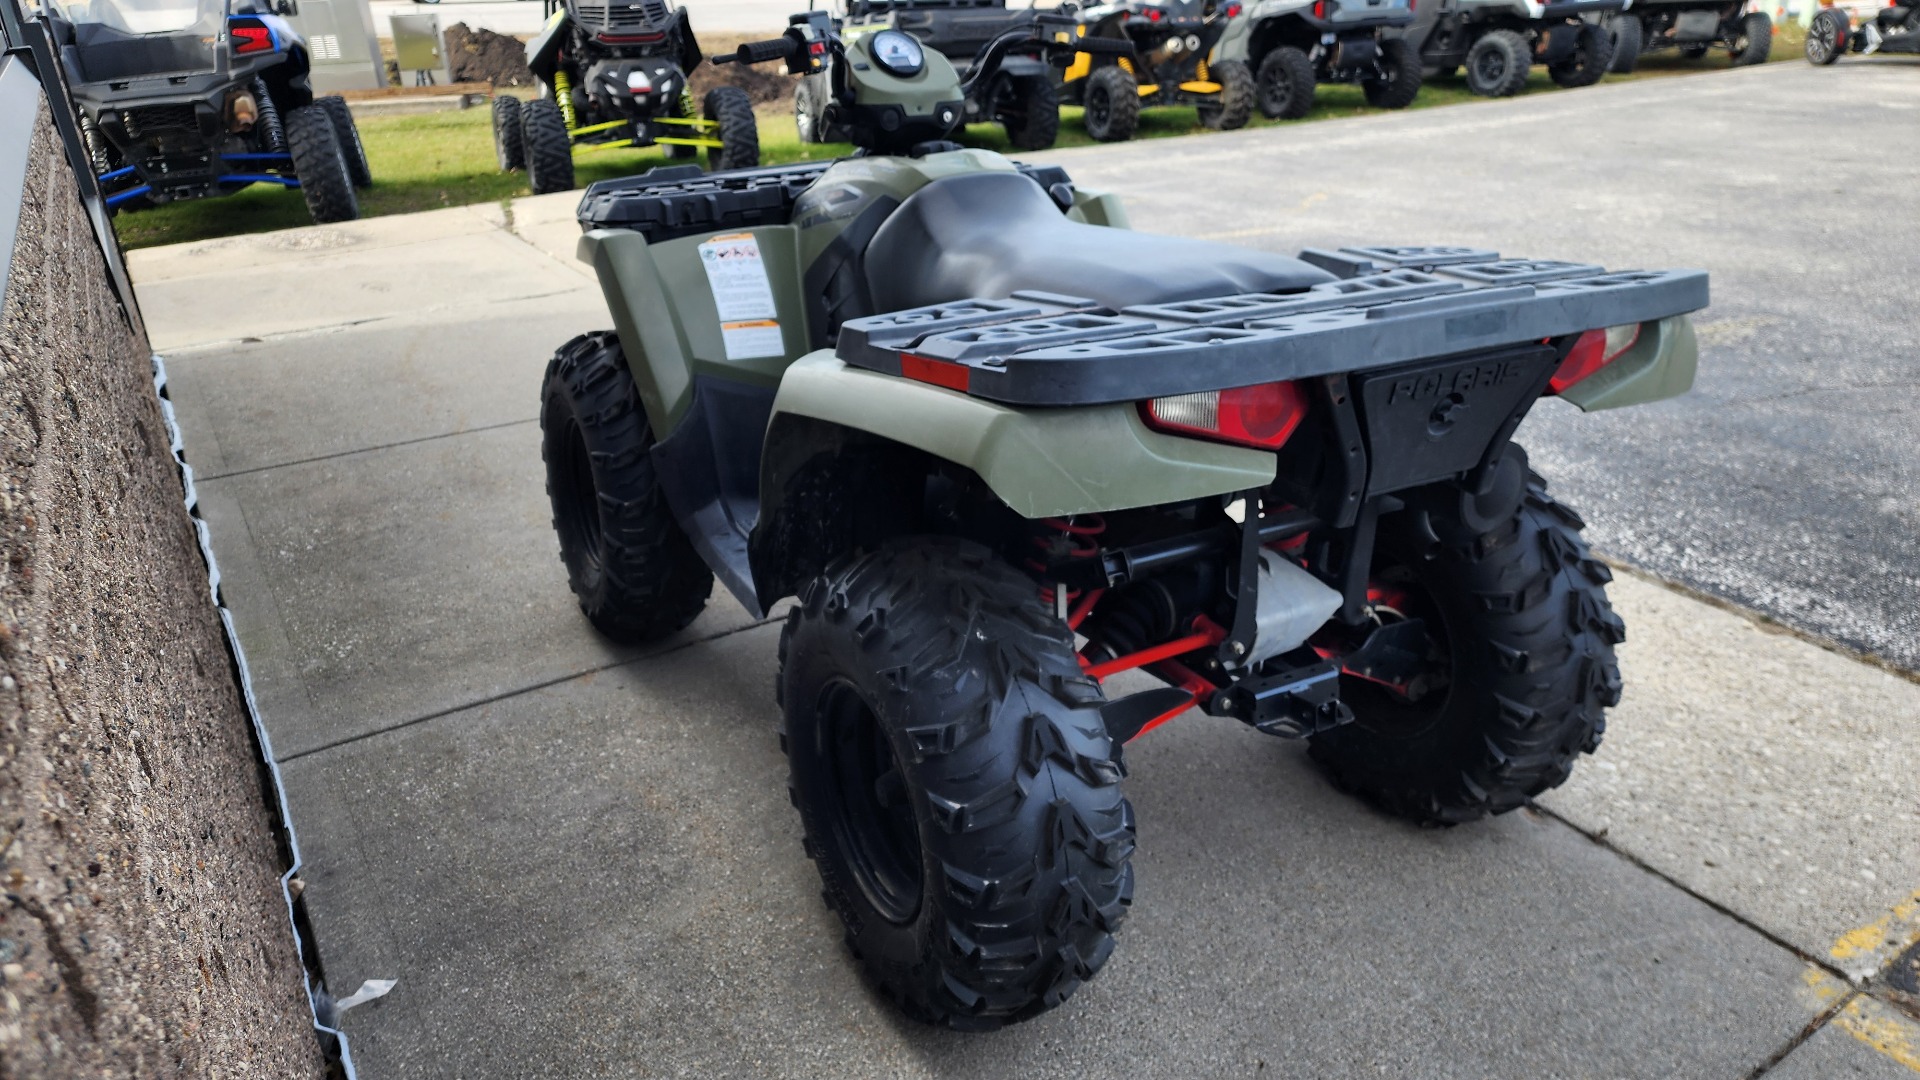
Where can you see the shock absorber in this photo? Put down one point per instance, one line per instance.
(563, 96)
(1201, 74)
(273, 137)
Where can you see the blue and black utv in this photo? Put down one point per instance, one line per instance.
(187, 99)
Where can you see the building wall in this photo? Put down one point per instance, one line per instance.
(143, 931)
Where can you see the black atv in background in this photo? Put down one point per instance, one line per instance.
(1020, 97)
(1171, 63)
(613, 73)
(189, 99)
(1293, 44)
(1692, 26)
(1499, 41)
(1893, 30)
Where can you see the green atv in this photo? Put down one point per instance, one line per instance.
(615, 75)
(1003, 449)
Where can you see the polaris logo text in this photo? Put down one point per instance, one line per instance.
(1460, 380)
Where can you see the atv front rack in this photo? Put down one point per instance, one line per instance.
(1392, 305)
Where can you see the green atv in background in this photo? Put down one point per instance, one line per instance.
(1003, 449)
(615, 75)
(1165, 58)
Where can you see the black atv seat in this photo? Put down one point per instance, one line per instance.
(995, 233)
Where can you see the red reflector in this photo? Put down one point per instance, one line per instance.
(251, 39)
(1264, 416)
(1154, 14)
(1233, 11)
(938, 372)
(1320, 9)
(1595, 350)
(818, 48)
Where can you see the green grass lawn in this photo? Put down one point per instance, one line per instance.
(432, 160)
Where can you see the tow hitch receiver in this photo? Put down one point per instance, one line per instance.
(1293, 703)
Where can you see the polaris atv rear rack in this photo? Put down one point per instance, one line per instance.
(1396, 306)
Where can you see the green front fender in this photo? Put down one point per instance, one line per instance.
(1040, 462)
(1659, 365)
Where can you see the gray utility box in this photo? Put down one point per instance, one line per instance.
(341, 44)
(418, 47)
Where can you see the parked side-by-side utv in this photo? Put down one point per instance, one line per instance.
(1694, 27)
(612, 74)
(1166, 57)
(189, 99)
(1292, 45)
(1002, 449)
(1499, 41)
(1892, 30)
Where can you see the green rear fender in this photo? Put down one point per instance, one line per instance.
(1659, 365)
(1040, 462)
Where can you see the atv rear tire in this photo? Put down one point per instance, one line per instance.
(1284, 86)
(1827, 37)
(635, 573)
(546, 146)
(739, 135)
(1497, 64)
(1754, 43)
(1232, 107)
(1526, 647)
(1112, 100)
(1592, 55)
(1399, 81)
(345, 130)
(1629, 36)
(1031, 114)
(957, 788)
(508, 148)
(317, 160)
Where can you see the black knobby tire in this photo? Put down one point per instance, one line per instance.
(959, 794)
(1754, 43)
(732, 109)
(508, 147)
(1497, 64)
(1592, 55)
(1827, 37)
(1031, 113)
(810, 108)
(1232, 107)
(1283, 88)
(1112, 100)
(1531, 669)
(635, 573)
(547, 148)
(320, 166)
(1629, 37)
(1399, 80)
(348, 133)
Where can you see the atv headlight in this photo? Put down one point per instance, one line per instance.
(897, 53)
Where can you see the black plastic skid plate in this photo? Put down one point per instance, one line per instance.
(1394, 306)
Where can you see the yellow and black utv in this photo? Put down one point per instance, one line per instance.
(1169, 63)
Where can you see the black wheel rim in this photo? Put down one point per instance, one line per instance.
(1491, 67)
(580, 499)
(872, 813)
(1099, 110)
(1275, 92)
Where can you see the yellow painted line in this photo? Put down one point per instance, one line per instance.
(1862, 953)
(1882, 1027)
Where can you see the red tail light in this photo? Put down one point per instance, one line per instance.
(250, 37)
(1233, 11)
(1595, 350)
(937, 372)
(1154, 14)
(1319, 9)
(1264, 416)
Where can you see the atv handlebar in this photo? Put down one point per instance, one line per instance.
(759, 52)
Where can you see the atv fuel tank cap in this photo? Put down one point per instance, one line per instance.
(897, 53)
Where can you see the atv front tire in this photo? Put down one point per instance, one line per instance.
(1827, 37)
(1031, 114)
(1592, 55)
(1284, 85)
(739, 135)
(1232, 107)
(957, 789)
(1629, 36)
(1524, 648)
(1497, 64)
(1754, 43)
(508, 147)
(634, 572)
(320, 165)
(547, 148)
(1112, 100)
(1399, 80)
(348, 133)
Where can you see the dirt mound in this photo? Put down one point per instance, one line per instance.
(766, 84)
(484, 56)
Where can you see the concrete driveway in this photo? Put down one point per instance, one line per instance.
(578, 860)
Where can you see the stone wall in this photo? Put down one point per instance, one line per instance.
(143, 932)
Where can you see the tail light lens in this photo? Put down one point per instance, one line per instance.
(250, 36)
(1595, 350)
(1233, 11)
(1154, 14)
(1320, 9)
(1264, 416)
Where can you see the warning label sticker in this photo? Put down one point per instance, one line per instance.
(758, 337)
(738, 278)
